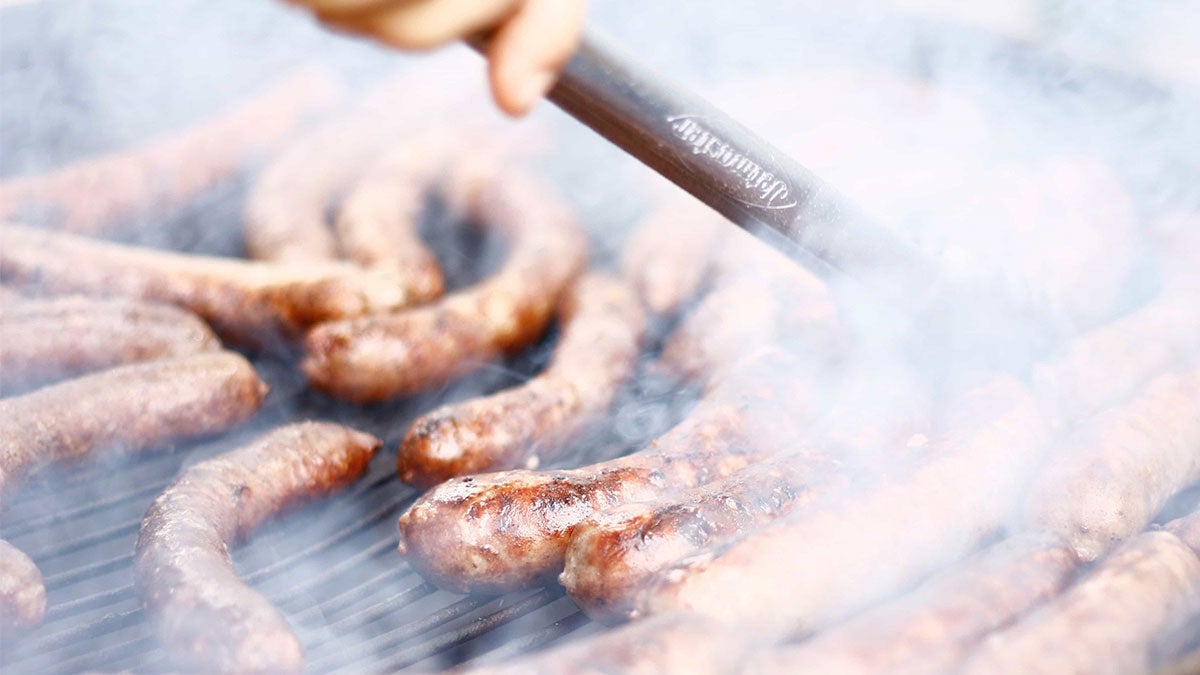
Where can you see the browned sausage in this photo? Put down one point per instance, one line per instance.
(1109, 621)
(834, 557)
(22, 594)
(100, 194)
(602, 329)
(1106, 365)
(1119, 468)
(377, 220)
(130, 407)
(668, 256)
(245, 301)
(400, 353)
(510, 529)
(615, 552)
(664, 644)
(933, 628)
(46, 340)
(206, 616)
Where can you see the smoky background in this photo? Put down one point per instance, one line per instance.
(1096, 123)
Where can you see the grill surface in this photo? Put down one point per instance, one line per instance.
(332, 568)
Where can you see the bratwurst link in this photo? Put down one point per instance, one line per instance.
(400, 353)
(602, 325)
(510, 529)
(246, 302)
(22, 593)
(43, 340)
(204, 613)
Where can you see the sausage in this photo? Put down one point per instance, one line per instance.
(615, 552)
(669, 254)
(1106, 365)
(602, 326)
(933, 628)
(1119, 468)
(246, 302)
(667, 644)
(401, 353)
(377, 220)
(204, 614)
(22, 594)
(829, 559)
(506, 530)
(284, 219)
(1108, 622)
(47, 340)
(102, 194)
(131, 407)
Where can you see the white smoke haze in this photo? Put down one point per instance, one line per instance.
(1064, 182)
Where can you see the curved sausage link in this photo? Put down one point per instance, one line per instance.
(670, 253)
(204, 613)
(44, 340)
(247, 302)
(22, 594)
(400, 353)
(101, 194)
(602, 326)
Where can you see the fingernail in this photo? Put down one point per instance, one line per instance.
(536, 86)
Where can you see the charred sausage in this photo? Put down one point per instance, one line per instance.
(205, 614)
(602, 326)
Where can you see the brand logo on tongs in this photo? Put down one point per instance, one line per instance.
(768, 190)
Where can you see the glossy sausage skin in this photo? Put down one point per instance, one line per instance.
(602, 326)
(206, 616)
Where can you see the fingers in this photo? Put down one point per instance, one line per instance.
(346, 7)
(418, 24)
(529, 50)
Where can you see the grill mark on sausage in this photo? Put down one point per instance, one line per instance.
(400, 353)
(205, 614)
(1118, 469)
(45, 340)
(246, 302)
(596, 353)
(101, 194)
(1153, 577)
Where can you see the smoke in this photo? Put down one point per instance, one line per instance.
(1046, 178)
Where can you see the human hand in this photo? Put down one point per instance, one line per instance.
(530, 40)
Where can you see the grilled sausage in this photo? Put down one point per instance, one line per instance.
(933, 628)
(131, 407)
(1120, 467)
(400, 353)
(205, 614)
(101, 194)
(1109, 621)
(1187, 529)
(22, 594)
(615, 552)
(46, 340)
(377, 220)
(521, 427)
(668, 256)
(1107, 364)
(835, 557)
(667, 644)
(246, 302)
